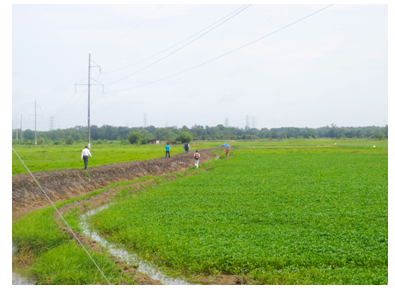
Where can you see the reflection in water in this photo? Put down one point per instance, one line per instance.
(128, 257)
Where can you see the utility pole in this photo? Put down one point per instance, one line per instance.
(89, 103)
(89, 95)
(35, 123)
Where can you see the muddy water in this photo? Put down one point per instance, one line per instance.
(129, 257)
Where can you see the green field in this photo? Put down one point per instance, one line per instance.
(52, 157)
(277, 212)
(45, 157)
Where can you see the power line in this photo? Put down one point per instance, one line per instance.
(174, 44)
(62, 218)
(69, 87)
(171, 53)
(129, 31)
(83, 109)
(222, 55)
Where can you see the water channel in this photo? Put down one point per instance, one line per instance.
(17, 276)
(129, 257)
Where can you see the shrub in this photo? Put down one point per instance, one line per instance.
(69, 140)
(134, 137)
(184, 137)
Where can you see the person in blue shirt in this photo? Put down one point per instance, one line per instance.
(167, 149)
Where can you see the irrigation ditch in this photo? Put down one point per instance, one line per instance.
(66, 184)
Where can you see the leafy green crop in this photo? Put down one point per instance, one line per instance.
(316, 215)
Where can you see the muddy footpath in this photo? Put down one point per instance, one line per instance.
(71, 183)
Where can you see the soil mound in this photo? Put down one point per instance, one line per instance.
(64, 184)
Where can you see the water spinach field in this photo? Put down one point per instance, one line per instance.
(296, 212)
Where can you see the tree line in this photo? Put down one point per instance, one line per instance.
(142, 135)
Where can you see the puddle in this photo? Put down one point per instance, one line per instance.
(18, 278)
(129, 257)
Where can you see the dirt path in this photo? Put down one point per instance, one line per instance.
(65, 184)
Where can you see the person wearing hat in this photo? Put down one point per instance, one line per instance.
(84, 156)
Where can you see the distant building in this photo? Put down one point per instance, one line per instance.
(154, 142)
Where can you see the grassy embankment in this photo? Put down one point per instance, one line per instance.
(52, 258)
(290, 214)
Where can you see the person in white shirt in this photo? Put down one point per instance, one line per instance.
(197, 157)
(84, 156)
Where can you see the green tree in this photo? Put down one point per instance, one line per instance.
(184, 137)
(69, 140)
(77, 136)
(134, 137)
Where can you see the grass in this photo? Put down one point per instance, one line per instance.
(69, 157)
(51, 157)
(52, 257)
(315, 215)
(279, 212)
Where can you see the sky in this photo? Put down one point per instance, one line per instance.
(329, 68)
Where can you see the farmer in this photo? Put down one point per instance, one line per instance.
(186, 147)
(84, 155)
(227, 152)
(167, 149)
(197, 157)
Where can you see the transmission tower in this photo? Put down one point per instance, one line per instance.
(226, 122)
(145, 120)
(21, 130)
(16, 129)
(51, 123)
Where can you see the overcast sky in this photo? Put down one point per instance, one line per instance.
(331, 67)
